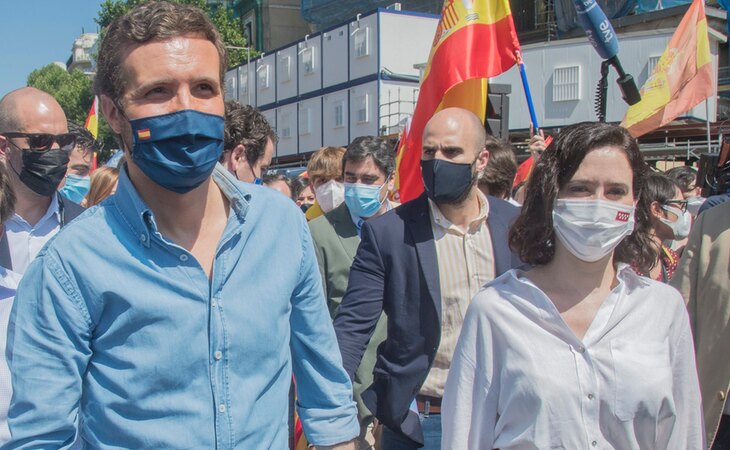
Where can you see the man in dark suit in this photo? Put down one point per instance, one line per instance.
(367, 168)
(421, 264)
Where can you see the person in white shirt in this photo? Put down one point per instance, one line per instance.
(34, 147)
(578, 352)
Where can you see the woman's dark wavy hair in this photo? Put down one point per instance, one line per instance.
(532, 236)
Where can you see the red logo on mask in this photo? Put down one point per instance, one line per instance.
(622, 216)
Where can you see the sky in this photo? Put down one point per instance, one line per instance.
(38, 32)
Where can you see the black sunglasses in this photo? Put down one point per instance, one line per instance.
(43, 141)
(681, 204)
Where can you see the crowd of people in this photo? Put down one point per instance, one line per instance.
(175, 300)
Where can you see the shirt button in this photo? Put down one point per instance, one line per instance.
(581, 349)
(213, 303)
(183, 257)
(218, 354)
(721, 395)
(221, 408)
(594, 443)
(143, 237)
(590, 396)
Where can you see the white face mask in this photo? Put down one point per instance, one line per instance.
(591, 229)
(682, 225)
(330, 195)
(694, 203)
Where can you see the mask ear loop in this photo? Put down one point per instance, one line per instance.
(10, 163)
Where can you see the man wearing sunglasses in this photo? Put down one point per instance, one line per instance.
(174, 313)
(34, 146)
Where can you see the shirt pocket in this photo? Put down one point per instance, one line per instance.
(642, 378)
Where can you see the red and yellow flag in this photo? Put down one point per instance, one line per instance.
(682, 78)
(92, 120)
(475, 40)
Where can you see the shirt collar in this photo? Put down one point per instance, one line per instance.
(52, 211)
(358, 221)
(438, 219)
(140, 217)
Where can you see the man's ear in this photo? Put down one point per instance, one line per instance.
(113, 115)
(238, 155)
(482, 160)
(656, 209)
(3, 147)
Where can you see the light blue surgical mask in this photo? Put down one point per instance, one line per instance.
(179, 150)
(76, 187)
(363, 200)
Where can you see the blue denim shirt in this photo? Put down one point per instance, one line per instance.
(120, 328)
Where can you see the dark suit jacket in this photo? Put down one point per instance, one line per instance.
(396, 271)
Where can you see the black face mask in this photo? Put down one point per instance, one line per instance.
(43, 170)
(305, 207)
(446, 182)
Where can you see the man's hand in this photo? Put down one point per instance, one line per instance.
(344, 446)
(537, 144)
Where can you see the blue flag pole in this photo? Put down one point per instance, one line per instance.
(526, 87)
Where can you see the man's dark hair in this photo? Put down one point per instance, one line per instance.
(273, 177)
(247, 126)
(532, 236)
(684, 176)
(149, 21)
(659, 188)
(500, 172)
(380, 149)
(298, 184)
(7, 195)
(84, 138)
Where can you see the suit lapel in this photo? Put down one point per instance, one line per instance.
(420, 226)
(499, 232)
(345, 230)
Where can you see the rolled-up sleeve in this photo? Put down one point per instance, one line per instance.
(48, 352)
(324, 391)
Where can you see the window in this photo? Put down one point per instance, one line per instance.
(305, 121)
(566, 84)
(285, 68)
(285, 132)
(340, 114)
(653, 61)
(243, 80)
(361, 42)
(249, 28)
(361, 111)
(263, 76)
(308, 60)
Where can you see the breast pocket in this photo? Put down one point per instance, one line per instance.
(642, 378)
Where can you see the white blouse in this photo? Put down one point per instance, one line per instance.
(521, 379)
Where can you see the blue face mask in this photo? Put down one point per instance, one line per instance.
(76, 188)
(363, 200)
(179, 150)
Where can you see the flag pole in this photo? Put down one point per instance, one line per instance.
(526, 87)
(707, 116)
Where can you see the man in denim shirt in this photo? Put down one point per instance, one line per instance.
(173, 314)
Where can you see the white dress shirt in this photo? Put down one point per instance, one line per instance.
(521, 379)
(8, 284)
(26, 240)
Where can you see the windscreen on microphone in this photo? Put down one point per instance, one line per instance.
(597, 27)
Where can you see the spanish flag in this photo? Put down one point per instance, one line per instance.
(475, 40)
(92, 120)
(682, 78)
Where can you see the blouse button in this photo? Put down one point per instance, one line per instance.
(183, 257)
(721, 395)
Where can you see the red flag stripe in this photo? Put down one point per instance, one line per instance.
(475, 51)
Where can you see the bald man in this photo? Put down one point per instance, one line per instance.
(421, 264)
(34, 146)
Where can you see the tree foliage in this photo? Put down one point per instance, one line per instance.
(74, 92)
(228, 26)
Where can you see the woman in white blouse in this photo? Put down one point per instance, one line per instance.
(579, 352)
